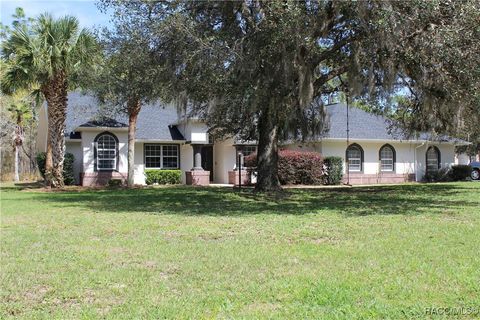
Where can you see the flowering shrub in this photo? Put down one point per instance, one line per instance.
(295, 167)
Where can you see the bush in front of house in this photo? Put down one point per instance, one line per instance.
(68, 175)
(115, 183)
(460, 172)
(442, 175)
(295, 167)
(41, 159)
(333, 170)
(453, 173)
(157, 176)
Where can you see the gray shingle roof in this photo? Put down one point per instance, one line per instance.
(158, 122)
(362, 125)
(365, 126)
(155, 121)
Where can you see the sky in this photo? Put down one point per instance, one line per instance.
(85, 10)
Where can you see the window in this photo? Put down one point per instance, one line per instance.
(106, 151)
(387, 158)
(248, 150)
(433, 159)
(153, 156)
(170, 157)
(354, 158)
(161, 156)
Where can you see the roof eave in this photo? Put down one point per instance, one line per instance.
(391, 140)
(118, 129)
(160, 141)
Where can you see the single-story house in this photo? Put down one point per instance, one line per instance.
(167, 140)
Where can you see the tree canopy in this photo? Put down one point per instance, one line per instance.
(130, 75)
(48, 54)
(261, 69)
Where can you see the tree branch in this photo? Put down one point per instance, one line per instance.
(319, 82)
(337, 46)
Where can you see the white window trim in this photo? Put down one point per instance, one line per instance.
(248, 146)
(114, 157)
(392, 168)
(161, 156)
(430, 167)
(351, 169)
(359, 160)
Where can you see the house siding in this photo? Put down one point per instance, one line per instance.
(409, 165)
(224, 157)
(447, 157)
(90, 175)
(410, 158)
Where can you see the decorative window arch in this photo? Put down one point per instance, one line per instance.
(106, 152)
(354, 157)
(432, 159)
(387, 157)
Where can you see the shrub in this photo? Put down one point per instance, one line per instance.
(442, 175)
(115, 183)
(333, 170)
(68, 175)
(163, 176)
(295, 167)
(250, 161)
(460, 172)
(41, 159)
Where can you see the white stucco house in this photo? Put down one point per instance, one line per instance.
(166, 140)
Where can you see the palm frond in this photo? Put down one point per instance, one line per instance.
(50, 46)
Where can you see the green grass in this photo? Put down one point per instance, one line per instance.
(385, 252)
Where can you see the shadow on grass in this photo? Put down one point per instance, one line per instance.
(5, 186)
(411, 199)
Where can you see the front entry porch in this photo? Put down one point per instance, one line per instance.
(202, 172)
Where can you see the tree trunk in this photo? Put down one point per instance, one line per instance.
(55, 92)
(133, 111)
(17, 163)
(17, 143)
(267, 155)
(48, 161)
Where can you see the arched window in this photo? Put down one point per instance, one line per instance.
(387, 158)
(433, 159)
(354, 158)
(106, 152)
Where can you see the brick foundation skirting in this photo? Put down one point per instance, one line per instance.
(360, 178)
(101, 178)
(197, 178)
(233, 177)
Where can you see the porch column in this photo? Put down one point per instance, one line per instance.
(197, 176)
(197, 157)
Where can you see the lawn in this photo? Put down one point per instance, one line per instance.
(385, 252)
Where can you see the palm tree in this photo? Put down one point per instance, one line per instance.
(49, 54)
(20, 109)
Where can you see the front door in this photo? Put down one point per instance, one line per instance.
(207, 160)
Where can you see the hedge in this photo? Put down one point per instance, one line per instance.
(442, 175)
(296, 167)
(454, 173)
(163, 176)
(68, 175)
(333, 170)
